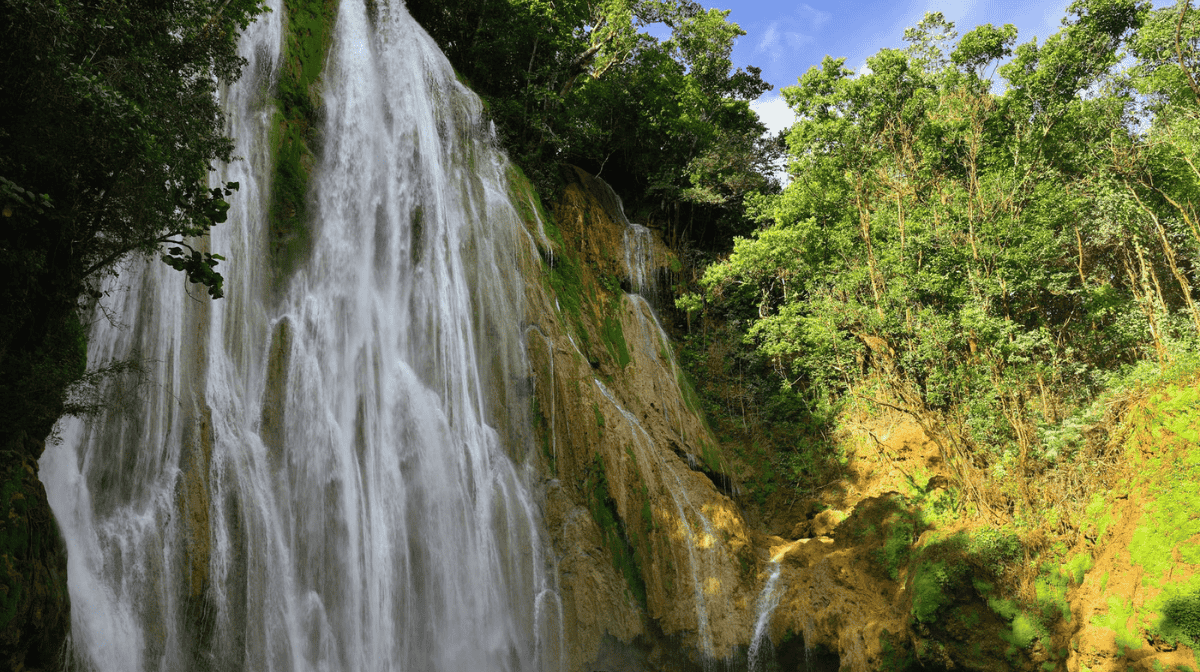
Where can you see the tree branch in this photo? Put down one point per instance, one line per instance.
(1186, 5)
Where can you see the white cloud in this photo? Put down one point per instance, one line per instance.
(792, 32)
(774, 112)
(770, 39)
(798, 40)
(816, 18)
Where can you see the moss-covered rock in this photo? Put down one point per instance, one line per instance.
(1138, 599)
(295, 135)
(34, 603)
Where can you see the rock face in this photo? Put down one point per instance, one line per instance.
(34, 604)
(658, 567)
(649, 548)
(661, 568)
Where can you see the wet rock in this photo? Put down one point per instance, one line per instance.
(34, 603)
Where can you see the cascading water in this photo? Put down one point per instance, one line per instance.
(700, 541)
(652, 347)
(639, 260)
(700, 546)
(768, 600)
(331, 475)
(637, 241)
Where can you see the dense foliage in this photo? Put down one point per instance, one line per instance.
(108, 132)
(981, 235)
(668, 122)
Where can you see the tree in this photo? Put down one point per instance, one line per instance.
(108, 132)
(107, 137)
(668, 122)
(985, 258)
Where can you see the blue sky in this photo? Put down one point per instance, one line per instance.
(786, 38)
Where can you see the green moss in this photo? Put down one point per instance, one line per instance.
(897, 545)
(930, 590)
(622, 547)
(565, 281)
(647, 515)
(711, 456)
(690, 398)
(1179, 619)
(599, 415)
(1051, 588)
(525, 199)
(1006, 609)
(1168, 534)
(567, 285)
(1024, 630)
(1170, 520)
(1117, 618)
(610, 327)
(673, 263)
(1077, 567)
(1099, 513)
(992, 550)
(306, 44)
(896, 656)
(1023, 627)
(614, 340)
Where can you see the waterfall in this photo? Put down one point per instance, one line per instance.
(638, 244)
(329, 472)
(702, 546)
(640, 263)
(768, 600)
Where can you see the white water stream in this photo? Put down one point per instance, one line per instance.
(701, 546)
(768, 600)
(328, 473)
(640, 262)
(652, 347)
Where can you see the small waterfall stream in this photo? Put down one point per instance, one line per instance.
(640, 268)
(638, 245)
(768, 600)
(640, 263)
(700, 545)
(331, 476)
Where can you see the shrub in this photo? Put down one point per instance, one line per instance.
(930, 589)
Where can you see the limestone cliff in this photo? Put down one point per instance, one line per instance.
(653, 551)
(663, 565)
(646, 542)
